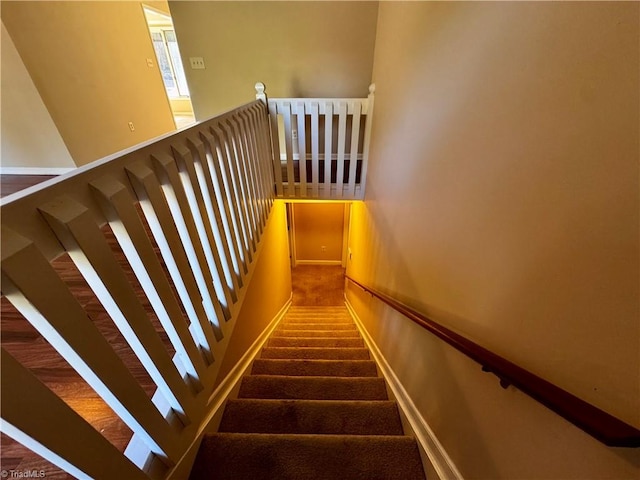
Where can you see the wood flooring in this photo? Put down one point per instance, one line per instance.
(14, 183)
(27, 346)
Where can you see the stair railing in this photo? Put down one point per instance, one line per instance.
(188, 211)
(319, 146)
(596, 422)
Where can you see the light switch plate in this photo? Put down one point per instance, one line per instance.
(197, 63)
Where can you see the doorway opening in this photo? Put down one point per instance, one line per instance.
(318, 245)
(318, 232)
(165, 45)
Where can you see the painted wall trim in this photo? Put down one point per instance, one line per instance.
(440, 460)
(219, 397)
(318, 262)
(35, 170)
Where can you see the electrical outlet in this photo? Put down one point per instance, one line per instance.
(197, 63)
(294, 134)
(150, 62)
(132, 127)
(323, 248)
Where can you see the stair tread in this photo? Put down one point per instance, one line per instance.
(240, 456)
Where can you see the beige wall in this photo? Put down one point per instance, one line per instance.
(269, 290)
(502, 199)
(29, 136)
(88, 62)
(296, 48)
(318, 225)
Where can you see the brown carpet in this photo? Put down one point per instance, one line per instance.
(313, 408)
(316, 285)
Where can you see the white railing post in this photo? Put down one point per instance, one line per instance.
(367, 138)
(260, 95)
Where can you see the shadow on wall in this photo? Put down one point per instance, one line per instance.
(422, 362)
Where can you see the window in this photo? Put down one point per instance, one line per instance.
(169, 62)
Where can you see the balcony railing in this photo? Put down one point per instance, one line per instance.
(320, 146)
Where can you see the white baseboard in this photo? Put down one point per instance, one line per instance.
(440, 460)
(318, 262)
(35, 170)
(218, 398)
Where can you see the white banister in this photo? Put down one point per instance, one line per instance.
(328, 150)
(33, 287)
(301, 169)
(93, 457)
(91, 254)
(342, 140)
(188, 212)
(315, 149)
(118, 207)
(367, 133)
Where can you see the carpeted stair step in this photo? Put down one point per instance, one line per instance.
(312, 388)
(323, 318)
(326, 417)
(315, 342)
(241, 456)
(315, 309)
(320, 319)
(319, 368)
(285, 332)
(318, 326)
(316, 353)
(312, 408)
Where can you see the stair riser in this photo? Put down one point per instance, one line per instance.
(316, 353)
(312, 388)
(319, 368)
(318, 326)
(315, 342)
(228, 456)
(311, 417)
(344, 321)
(316, 333)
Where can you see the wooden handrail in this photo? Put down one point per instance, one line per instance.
(597, 423)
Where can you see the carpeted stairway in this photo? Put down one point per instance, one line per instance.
(312, 408)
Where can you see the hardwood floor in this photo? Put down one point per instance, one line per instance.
(25, 344)
(14, 183)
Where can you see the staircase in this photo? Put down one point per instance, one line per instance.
(312, 408)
